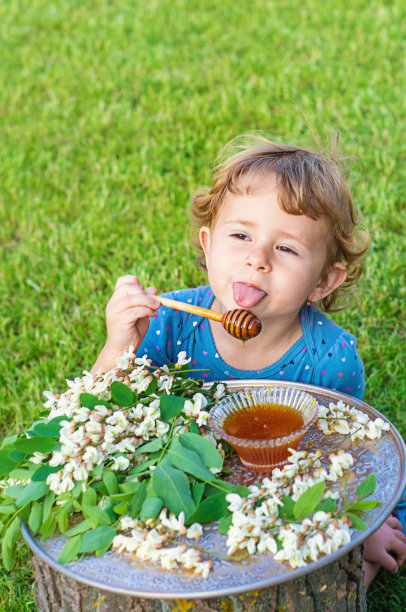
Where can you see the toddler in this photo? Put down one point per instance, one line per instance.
(278, 235)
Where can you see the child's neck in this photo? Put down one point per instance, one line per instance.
(272, 343)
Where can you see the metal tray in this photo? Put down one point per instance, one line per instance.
(384, 457)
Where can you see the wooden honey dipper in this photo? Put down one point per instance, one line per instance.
(240, 323)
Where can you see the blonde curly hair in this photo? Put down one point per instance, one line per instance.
(308, 183)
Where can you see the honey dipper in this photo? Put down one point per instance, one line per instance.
(240, 323)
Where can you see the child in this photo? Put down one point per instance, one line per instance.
(278, 233)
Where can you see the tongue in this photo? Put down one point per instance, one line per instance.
(246, 296)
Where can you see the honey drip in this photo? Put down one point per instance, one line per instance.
(263, 421)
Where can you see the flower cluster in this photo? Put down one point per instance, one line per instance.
(316, 535)
(152, 540)
(340, 418)
(259, 520)
(93, 436)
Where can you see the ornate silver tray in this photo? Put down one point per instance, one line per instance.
(384, 457)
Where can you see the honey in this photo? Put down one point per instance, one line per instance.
(263, 421)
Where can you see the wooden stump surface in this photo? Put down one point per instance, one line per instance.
(338, 587)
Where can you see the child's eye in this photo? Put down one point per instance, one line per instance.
(286, 249)
(240, 236)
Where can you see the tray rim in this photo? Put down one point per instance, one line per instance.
(235, 385)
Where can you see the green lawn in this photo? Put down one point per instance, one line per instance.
(111, 114)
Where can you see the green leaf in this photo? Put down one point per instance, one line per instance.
(8, 543)
(99, 516)
(9, 441)
(365, 505)
(286, 511)
(129, 486)
(171, 406)
(110, 480)
(155, 445)
(197, 492)
(121, 394)
(77, 490)
(47, 505)
(308, 501)
(357, 523)
(71, 550)
(7, 464)
(194, 428)
(89, 497)
(21, 474)
(120, 497)
(367, 486)
(14, 491)
(151, 507)
(188, 461)
(100, 551)
(138, 499)
(7, 509)
(142, 467)
(48, 527)
(225, 523)
(49, 429)
(203, 447)
(80, 528)
(152, 387)
(98, 469)
(241, 491)
(35, 518)
(327, 505)
(32, 492)
(210, 509)
(174, 489)
(121, 508)
(217, 486)
(90, 401)
(62, 520)
(39, 444)
(44, 471)
(68, 507)
(97, 538)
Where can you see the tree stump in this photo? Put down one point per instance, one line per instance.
(338, 587)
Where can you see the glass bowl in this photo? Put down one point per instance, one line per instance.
(262, 455)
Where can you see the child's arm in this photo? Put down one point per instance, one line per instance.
(389, 538)
(127, 320)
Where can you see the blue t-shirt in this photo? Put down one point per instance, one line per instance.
(324, 355)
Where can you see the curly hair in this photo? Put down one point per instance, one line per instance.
(308, 183)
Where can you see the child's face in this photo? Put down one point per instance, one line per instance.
(263, 259)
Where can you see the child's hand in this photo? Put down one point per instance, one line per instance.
(389, 538)
(127, 318)
(128, 312)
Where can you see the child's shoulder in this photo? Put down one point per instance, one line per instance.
(199, 296)
(336, 362)
(324, 335)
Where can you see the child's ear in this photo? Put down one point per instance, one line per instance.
(204, 238)
(332, 278)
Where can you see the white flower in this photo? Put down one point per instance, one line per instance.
(267, 544)
(126, 522)
(220, 391)
(195, 531)
(182, 360)
(234, 502)
(39, 458)
(120, 463)
(80, 473)
(201, 420)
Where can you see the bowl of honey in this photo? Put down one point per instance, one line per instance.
(262, 424)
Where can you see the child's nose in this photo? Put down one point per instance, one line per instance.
(258, 258)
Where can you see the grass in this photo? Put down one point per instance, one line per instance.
(111, 114)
